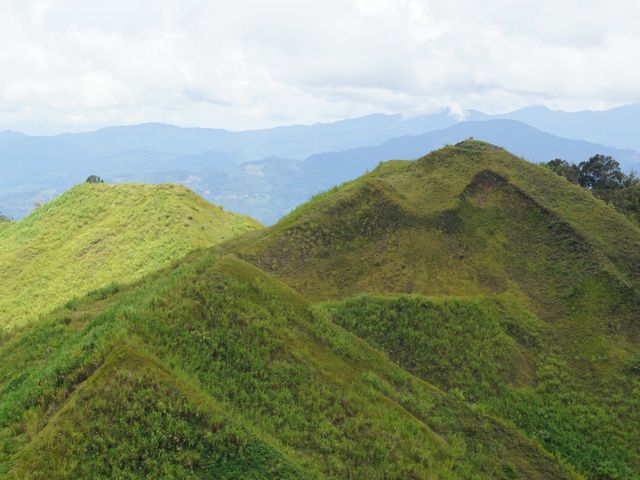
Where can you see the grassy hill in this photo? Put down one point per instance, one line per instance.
(549, 272)
(96, 234)
(214, 369)
(466, 315)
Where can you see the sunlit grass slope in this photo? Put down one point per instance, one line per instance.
(214, 369)
(96, 234)
(533, 283)
(452, 222)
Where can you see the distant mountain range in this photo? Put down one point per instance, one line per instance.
(618, 126)
(269, 188)
(265, 173)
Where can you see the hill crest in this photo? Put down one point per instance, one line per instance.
(96, 234)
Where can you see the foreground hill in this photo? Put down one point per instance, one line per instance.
(97, 234)
(537, 284)
(466, 315)
(214, 369)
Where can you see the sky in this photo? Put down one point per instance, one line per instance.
(71, 65)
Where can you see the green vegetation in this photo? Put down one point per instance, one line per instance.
(626, 200)
(94, 179)
(600, 172)
(5, 221)
(466, 315)
(453, 223)
(472, 349)
(602, 175)
(473, 222)
(97, 234)
(235, 379)
(116, 401)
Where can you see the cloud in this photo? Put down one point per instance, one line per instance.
(77, 64)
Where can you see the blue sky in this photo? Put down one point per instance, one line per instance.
(72, 65)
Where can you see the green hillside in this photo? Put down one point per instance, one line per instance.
(214, 369)
(96, 234)
(536, 315)
(465, 316)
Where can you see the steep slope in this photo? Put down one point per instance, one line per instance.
(427, 214)
(97, 234)
(171, 431)
(213, 369)
(557, 269)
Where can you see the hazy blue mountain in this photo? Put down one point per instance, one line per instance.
(227, 167)
(269, 188)
(517, 137)
(618, 127)
(37, 168)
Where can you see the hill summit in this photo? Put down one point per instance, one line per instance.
(465, 315)
(97, 234)
(488, 275)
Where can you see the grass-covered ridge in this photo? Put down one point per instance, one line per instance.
(188, 435)
(467, 315)
(503, 358)
(215, 345)
(408, 218)
(96, 234)
(473, 222)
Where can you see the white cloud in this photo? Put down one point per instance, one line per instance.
(76, 64)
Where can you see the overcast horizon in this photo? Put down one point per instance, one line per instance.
(76, 66)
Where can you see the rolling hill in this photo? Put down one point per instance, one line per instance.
(549, 272)
(214, 369)
(96, 234)
(465, 315)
